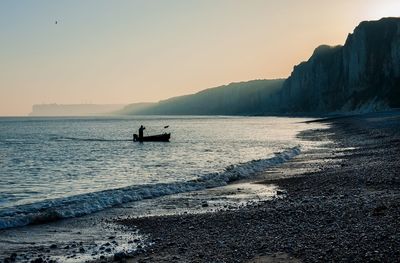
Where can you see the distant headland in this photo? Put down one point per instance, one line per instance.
(74, 109)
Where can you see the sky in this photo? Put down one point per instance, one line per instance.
(128, 51)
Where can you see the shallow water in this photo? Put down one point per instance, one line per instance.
(82, 165)
(98, 231)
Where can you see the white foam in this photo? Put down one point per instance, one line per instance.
(79, 205)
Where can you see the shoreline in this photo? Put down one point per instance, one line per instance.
(110, 198)
(302, 210)
(341, 204)
(93, 236)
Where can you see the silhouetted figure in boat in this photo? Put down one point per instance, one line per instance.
(141, 129)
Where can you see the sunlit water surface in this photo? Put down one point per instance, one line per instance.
(43, 159)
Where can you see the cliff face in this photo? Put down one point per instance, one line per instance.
(364, 73)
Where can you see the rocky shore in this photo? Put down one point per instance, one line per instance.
(339, 203)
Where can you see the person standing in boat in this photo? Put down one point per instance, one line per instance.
(141, 132)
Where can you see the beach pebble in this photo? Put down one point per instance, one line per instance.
(379, 210)
(119, 256)
(38, 260)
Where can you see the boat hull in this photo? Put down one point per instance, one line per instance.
(154, 138)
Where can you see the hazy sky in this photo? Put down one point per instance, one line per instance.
(132, 51)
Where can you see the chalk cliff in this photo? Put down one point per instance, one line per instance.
(363, 74)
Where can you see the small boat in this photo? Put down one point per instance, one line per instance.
(154, 138)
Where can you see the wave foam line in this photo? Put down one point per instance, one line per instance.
(79, 205)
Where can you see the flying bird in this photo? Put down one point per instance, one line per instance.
(56, 22)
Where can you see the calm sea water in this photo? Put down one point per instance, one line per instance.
(63, 167)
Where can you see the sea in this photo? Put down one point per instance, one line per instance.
(65, 167)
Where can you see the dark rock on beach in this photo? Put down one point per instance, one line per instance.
(53, 246)
(119, 256)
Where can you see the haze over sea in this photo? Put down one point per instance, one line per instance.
(66, 167)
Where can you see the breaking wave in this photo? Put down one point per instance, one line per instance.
(79, 205)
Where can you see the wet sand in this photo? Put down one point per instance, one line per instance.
(341, 203)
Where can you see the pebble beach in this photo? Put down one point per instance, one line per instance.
(339, 203)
